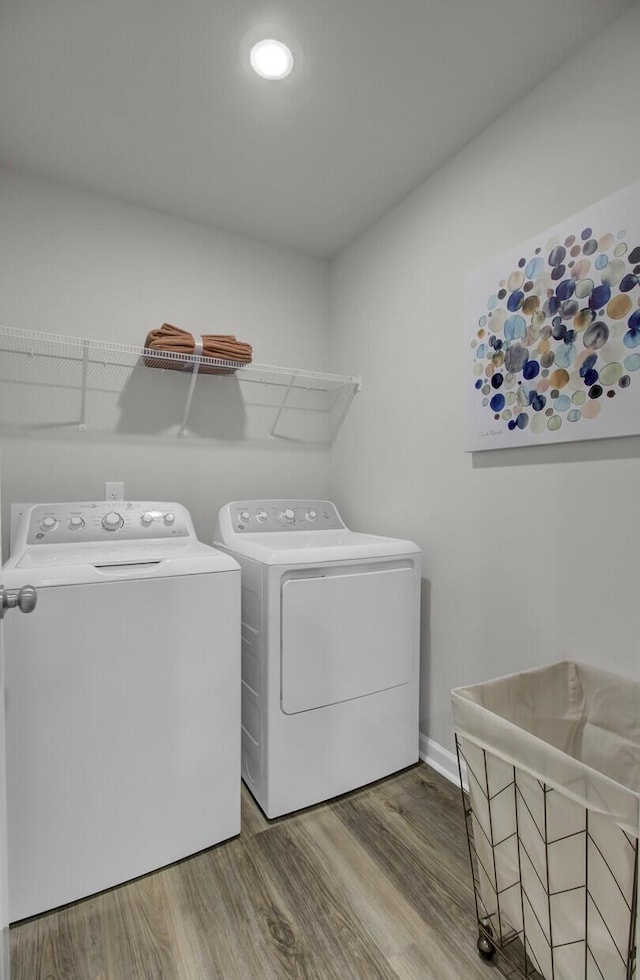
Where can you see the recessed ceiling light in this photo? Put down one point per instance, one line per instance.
(271, 59)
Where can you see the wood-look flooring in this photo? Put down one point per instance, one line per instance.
(372, 886)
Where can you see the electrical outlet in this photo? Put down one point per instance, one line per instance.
(114, 491)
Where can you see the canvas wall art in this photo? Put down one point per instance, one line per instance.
(552, 333)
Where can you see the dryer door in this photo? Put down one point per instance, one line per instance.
(346, 635)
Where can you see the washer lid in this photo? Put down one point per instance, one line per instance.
(313, 547)
(45, 565)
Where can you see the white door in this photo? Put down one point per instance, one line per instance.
(4, 898)
(24, 602)
(155, 776)
(4, 903)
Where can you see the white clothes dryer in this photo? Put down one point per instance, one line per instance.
(123, 698)
(330, 651)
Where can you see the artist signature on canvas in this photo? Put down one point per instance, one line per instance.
(490, 432)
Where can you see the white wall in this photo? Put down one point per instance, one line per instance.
(530, 555)
(79, 265)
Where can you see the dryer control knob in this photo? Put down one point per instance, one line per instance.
(146, 519)
(311, 515)
(244, 515)
(262, 516)
(75, 523)
(169, 518)
(112, 521)
(48, 523)
(287, 516)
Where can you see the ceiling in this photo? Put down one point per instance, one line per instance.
(153, 102)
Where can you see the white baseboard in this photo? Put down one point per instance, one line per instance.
(442, 760)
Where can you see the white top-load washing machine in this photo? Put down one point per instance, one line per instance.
(122, 698)
(330, 651)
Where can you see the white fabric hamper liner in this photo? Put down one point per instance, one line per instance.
(553, 763)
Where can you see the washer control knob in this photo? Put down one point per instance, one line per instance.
(287, 516)
(48, 523)
(244, 515)
(112, 521)
(169, 518)
(75, 523)
(146, 519)
(311, 515)
(262, 516)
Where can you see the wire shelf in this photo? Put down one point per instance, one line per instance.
(41, 358)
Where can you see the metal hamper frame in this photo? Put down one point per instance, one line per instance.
(516, 957)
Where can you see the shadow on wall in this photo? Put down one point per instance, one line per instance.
(621, 447)
(152, 403)
(61, 393)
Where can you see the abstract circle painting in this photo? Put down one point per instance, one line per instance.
(554, 339)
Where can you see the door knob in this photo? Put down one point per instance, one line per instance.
(25, 599)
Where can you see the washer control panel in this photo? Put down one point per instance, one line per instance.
(284, 515)
(101, 520)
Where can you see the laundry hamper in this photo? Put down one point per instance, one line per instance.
(552, 758)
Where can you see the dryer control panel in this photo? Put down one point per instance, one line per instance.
(283, 515)
(101, 520)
